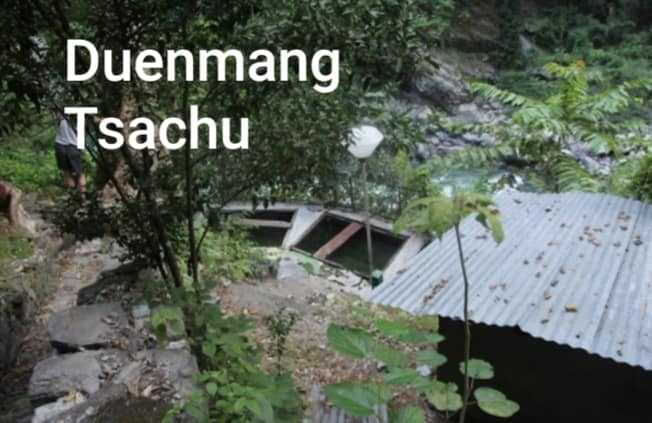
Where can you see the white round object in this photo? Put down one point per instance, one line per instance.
(364, 140)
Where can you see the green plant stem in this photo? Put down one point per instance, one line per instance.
(467, 327)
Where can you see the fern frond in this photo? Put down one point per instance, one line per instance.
(572, 176)
(507, 98)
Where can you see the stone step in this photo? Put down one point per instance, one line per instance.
(91, 384)
(80, 372)
(90, 327)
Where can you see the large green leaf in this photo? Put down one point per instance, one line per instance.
(391, 328)
(430, 358)
(409, 414)
(260, 407)
(495, 403)
(405, 333)
(444, 396)
(349, 341)
(389, 356)
(479, 369)
(490, 219)
(358, 399)
(399, 376)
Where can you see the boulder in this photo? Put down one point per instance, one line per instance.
(472, 113)
(81, 372)
(113, 273)
(441, 79)
(441, 85)
(593, 163)
(160, 374)
(50, 412)
(91, 326)
(113, 403)
(290, 269)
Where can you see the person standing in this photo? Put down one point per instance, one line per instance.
(68, 156)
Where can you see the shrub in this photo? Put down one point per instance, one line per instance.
(641, 184)
(230, 254)
(28, 169)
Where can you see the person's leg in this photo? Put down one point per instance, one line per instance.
(63, 163)
(75, 161)
(68, 179)
(81, 183)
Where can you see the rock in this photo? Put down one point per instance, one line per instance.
(89, 247)
(122, 274)
(49, 412)
(441, 85)
(592, 163)
(472, 113)
(290, 269)
(478, 139)
(178, 345)
(140, 311)
(180, 366)
(89, 326)
(173, 368)
(83, 371)
(109, 396)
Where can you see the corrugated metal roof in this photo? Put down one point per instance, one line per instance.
(574, 268)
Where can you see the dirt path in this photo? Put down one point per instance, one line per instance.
(51, 277)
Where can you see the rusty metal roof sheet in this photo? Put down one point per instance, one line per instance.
(574, 268)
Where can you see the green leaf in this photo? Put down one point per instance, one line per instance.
(389, 356)
(490, 219)
(405, 333)
(349, 341)
(211, 388)
(417, 337)
(400, 376)
(209, 349)
(479, 369)
(444, 396)
(392, 329)
(260, 408)
(409, 414)
(430, 358)
(357, 399)
(495, 403)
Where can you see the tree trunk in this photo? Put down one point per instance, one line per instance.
(11, 207)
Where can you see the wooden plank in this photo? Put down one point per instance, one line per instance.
(303, 221)
(264, 223)
(338, 240)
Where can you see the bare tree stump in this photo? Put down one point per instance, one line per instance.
(11, 207)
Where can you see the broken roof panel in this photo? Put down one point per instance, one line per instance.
(574, 268)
